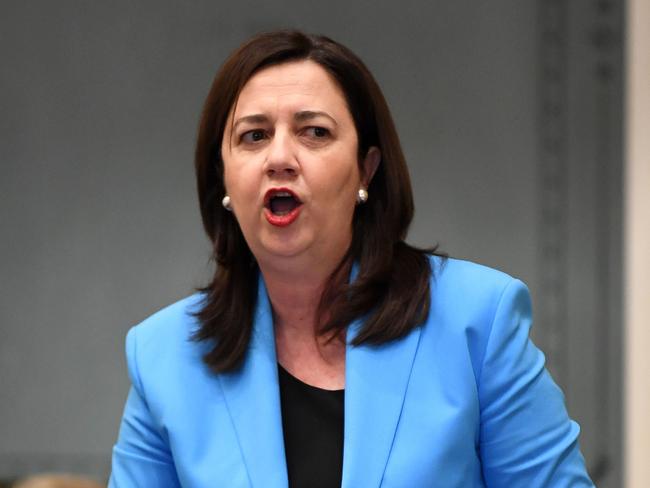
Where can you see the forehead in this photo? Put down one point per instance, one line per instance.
(293, 83)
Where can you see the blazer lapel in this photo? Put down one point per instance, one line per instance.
(376, 378)
(253, 400)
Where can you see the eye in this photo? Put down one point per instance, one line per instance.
(252, 136)
(317, 132)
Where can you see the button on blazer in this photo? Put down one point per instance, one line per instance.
(462, 401)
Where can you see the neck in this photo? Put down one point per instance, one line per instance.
(295, 293)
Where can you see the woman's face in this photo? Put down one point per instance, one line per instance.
(290, 164)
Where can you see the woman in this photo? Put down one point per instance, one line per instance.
(326, 351)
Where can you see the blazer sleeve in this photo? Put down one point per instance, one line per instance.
(141, 456)
(526, 437)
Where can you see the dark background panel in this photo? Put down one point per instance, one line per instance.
(509, 114)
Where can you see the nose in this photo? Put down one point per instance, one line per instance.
(281, 159)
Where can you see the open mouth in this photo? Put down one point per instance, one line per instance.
(282, 206)
(281, 202)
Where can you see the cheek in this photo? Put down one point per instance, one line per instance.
(348, 180)
(337, 189)
(339, 173)
(230, 179)
(235, 172)
(242, 186)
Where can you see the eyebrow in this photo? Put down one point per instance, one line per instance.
(252, 119)
(302, 116)
(305, 115)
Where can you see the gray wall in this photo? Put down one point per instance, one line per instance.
(100, 227)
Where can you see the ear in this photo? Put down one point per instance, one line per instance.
(370, 165)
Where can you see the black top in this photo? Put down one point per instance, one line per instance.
(312, 423)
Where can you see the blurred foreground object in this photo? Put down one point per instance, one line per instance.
(57, 481)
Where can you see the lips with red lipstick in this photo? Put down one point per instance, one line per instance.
(281, 206)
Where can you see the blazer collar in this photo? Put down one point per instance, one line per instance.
(375, 385)
(253, 400)
(376, 378)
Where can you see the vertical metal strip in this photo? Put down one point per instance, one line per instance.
(553, 182)
(603, 40)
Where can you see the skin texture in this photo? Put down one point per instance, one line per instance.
(291, 128)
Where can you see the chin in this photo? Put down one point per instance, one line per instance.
(281, 248)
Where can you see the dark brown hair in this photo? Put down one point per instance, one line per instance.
(391, 290)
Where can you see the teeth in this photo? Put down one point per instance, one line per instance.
(282, 194)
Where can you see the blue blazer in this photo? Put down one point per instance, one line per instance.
(462, 401)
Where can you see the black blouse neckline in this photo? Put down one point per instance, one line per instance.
(292, 378)
(312, 427)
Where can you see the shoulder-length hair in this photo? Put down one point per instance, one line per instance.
(391, 290)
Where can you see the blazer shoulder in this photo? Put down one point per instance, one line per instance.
(164, 341)
(176, 319)
(467, 302)
(454, 279)
(460, 271)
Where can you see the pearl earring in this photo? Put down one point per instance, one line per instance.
(226, 203)
(362, 196)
